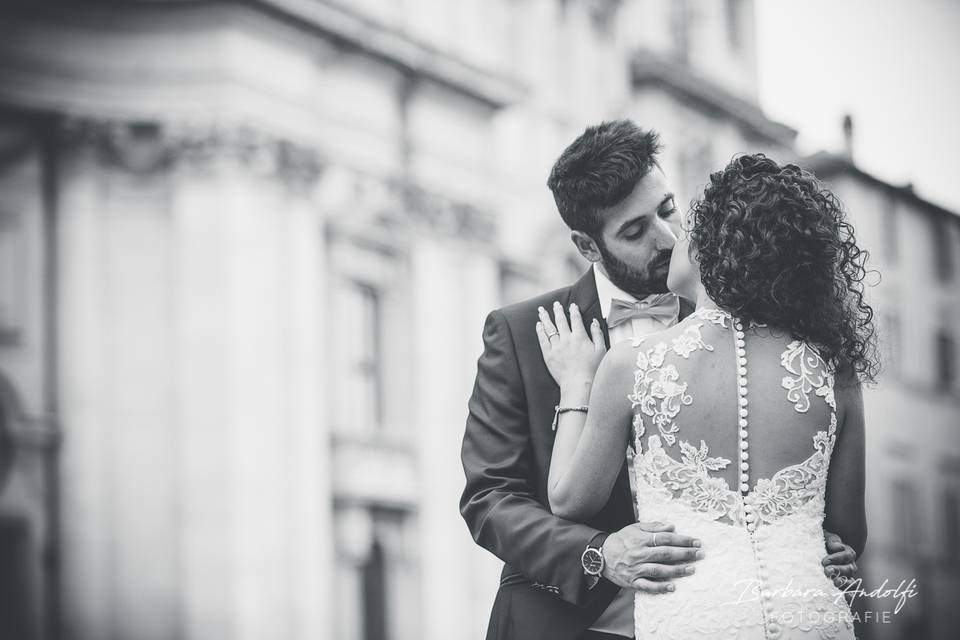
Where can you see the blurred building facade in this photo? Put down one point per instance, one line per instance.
(913, 414)
(246, 250)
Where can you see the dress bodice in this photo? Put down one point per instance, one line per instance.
(733, 431)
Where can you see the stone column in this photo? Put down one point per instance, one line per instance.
(197, 502)
(455, 281)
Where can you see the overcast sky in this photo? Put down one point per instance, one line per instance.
(893, 64)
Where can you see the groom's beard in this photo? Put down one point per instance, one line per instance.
(636, 281)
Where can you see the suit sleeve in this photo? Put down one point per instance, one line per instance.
(499, 502)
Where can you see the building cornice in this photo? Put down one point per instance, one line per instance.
(650, 68)
(144, 147)
(353, 29)
(828, 165)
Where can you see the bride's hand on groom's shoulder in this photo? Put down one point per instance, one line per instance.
(648, 556)
(570, 353)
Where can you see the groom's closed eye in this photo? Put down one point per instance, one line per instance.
(637, 230)
(668, 207)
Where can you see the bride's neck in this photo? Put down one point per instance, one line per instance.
(704, 301)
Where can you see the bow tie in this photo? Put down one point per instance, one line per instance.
(663, 307)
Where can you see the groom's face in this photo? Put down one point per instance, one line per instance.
(638, 236)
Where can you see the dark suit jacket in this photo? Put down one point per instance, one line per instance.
(506, 456)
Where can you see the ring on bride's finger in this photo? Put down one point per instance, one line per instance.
(654, 539)
(551, 335)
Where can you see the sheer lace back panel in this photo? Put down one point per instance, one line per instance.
(733, 429)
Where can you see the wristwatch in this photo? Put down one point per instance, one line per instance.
(592, 557)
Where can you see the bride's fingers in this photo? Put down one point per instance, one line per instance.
(560, 320)
(542, 338)
(576, 321)
(596, 334)
(547, 323)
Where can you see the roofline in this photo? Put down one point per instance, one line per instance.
(398, 49)
(827, 165)
(649, 67)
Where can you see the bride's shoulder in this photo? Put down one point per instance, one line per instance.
(624, 354)
(666, 336)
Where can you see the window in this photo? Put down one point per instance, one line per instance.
(680, 16)
(906, 518)
(376, 567)
(891, 340)
(374, 593)
(12, 284)
(951, 526)
(890, 231)
(734, 15)
(360, 393)
(946, 358)
(16, 595)
(943, 248)
(696, 163)
(601, 15)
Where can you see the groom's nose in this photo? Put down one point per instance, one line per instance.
(667, 235)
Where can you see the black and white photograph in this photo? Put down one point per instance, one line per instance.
(479, 320)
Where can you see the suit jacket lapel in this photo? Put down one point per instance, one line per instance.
(584, 294)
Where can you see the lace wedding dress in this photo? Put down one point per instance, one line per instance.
(716, 406)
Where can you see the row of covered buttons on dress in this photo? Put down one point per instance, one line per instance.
(749, 509)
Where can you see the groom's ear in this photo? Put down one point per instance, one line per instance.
(586, 246)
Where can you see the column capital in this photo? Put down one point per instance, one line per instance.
(149, 146)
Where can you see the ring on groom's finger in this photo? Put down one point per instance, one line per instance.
(552, 335)
(654, 540)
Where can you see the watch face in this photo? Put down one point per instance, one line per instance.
(592, 561)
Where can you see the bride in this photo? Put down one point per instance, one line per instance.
(746, 418)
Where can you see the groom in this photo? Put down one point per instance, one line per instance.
(566, 580)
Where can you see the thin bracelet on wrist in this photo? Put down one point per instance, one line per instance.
(557, 410)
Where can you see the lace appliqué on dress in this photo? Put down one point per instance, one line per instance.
(809, 372)
(657, 391)
(688, 479)
(659, 396)
(786, 512)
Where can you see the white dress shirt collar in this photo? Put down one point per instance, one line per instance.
(607, 291)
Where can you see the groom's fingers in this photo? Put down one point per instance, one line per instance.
(655, 527)
(665, 571)
(671, 539)
(846, 556)
(652, 586)
(669, 555)
(833, 542)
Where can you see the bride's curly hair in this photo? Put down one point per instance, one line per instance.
(775, 247)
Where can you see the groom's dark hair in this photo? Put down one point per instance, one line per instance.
(599, 169)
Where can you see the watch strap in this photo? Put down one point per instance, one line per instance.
(597, 541)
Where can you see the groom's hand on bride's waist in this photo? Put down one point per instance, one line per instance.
(840, 563)
(648, 556)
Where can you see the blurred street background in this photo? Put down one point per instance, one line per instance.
(247, 247)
